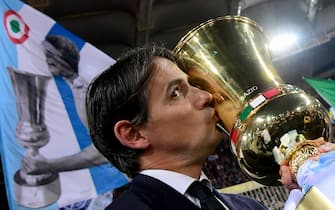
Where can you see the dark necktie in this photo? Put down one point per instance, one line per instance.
(207, 198)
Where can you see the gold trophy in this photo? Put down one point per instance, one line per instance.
(268, 121)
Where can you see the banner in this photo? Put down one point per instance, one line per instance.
(325, 88)
(44, 73)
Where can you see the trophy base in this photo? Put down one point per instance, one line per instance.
(37, 196)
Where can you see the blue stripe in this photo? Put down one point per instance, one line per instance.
(57, 29)
(68, 100)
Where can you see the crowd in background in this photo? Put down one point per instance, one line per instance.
(222, 168)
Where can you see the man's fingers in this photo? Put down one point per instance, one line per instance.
(292, 186)
(285, 173)
(286, 178)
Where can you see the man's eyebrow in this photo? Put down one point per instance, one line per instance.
(174, 82)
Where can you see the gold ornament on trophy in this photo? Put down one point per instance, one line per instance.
(268, 121)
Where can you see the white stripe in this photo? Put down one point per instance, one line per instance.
(30, 54)
(38, 22)
(93, 61)
(257, 101)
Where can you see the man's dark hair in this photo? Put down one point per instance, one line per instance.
(120, 93)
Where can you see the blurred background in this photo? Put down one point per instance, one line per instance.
(300, 35)
(300, 32)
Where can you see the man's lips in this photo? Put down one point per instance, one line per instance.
(216, 115)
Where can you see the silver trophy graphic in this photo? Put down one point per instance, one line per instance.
(32, 191)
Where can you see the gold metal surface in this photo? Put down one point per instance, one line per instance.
(229, 57)
(315, 199)
(302, 151)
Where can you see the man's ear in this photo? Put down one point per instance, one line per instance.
(129, 135)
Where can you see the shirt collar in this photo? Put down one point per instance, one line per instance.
(178, 181)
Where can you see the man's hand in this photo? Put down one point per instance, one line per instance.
(36, 164)
(285, 173)
(286, 176)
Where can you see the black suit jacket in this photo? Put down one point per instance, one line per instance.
(147, 193)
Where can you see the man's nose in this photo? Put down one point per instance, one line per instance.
(204, 98)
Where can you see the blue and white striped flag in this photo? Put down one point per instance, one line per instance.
(26, 40)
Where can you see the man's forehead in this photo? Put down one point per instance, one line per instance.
(168, 67)
(166, 72)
